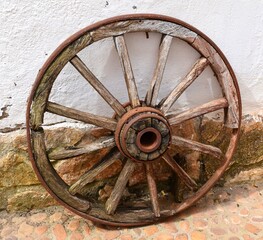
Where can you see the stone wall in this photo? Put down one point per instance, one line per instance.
(21, 190)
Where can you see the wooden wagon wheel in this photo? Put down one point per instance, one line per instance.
(142, 131)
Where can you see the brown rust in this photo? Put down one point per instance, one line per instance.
(148, 140)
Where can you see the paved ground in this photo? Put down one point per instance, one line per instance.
(232, 213)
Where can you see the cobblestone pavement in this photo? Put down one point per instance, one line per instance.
(232, 213)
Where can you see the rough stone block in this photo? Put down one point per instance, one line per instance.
(21, 190)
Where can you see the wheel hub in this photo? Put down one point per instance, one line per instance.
(142, 134)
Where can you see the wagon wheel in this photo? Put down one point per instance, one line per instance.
(142, 131)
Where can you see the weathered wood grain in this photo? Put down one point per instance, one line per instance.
(196, 70)
(189, 182)
(49, 76)
(52, 179)
(91, 174)
(224, 77)
(119, 187)
(144, 25)
(127, 70)
(125, 215)
(153, 189)
(232, 117)
(197, 146)
(64, 153)
(97, 85)
(155, 84)
(210, 183)
(197, 111)
(107, 123)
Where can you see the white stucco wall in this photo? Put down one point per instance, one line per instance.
(31, 30)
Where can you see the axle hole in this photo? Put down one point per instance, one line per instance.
(148, 140)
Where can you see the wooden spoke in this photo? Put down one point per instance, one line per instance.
(196, 70)
(90, 118)
(138, 127)
(153, 91)
(89, 176)
(119, 187)
(189, 182)
(153, 189)
(97, 85)
(64, 153)
(197, 111)
(127, 70)
(53, 179)
(196, 146)
(225, 79)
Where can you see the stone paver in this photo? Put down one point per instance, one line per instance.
(230, 213)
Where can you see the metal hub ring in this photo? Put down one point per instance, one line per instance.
(143, 134)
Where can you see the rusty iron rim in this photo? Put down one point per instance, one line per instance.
(66, 43)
